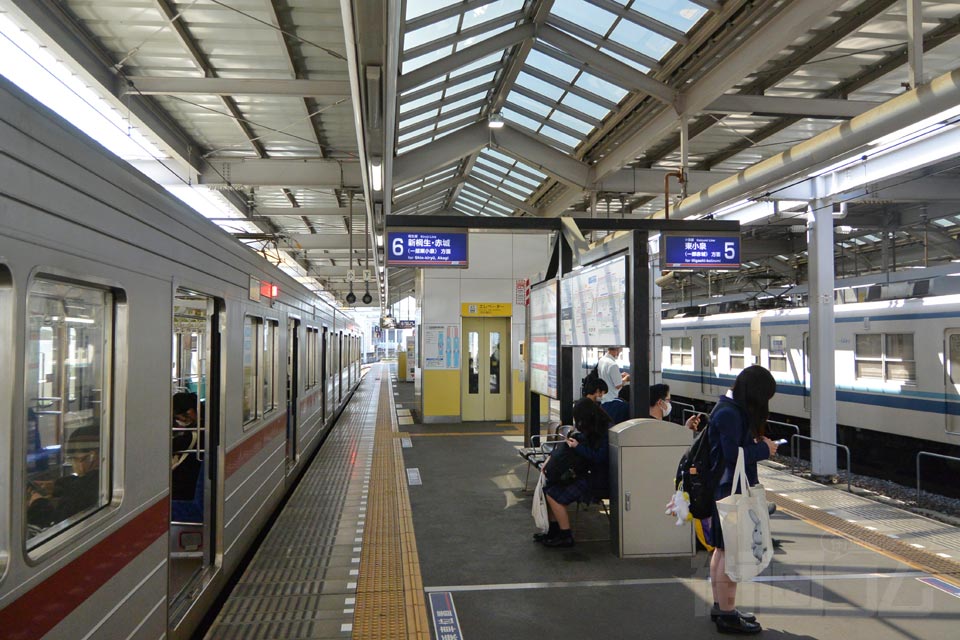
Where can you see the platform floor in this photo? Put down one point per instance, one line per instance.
(395, 521)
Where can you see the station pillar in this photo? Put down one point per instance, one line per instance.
(821, 350)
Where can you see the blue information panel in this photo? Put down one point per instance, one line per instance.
(426, 248)
(700, 251)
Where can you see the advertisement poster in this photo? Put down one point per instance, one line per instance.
(441, 346)
(593, 305)
(543, 339)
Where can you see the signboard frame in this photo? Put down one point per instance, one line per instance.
(668, 253)
(535, 289)
(619, 259)
(391, 238)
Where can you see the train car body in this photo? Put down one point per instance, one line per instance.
(104, 276)
(897, 362)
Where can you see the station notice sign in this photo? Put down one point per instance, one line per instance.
(700, 251)
(415, 248)
(486, 309)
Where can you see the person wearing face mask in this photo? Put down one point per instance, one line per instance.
(660, 406)
(187, 439)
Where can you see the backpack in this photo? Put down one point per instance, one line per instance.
(564, 466)
(593, 376)
(694, 476)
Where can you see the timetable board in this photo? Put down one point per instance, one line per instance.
(543, 339)
(593, 304)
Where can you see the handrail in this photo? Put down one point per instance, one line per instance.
(685, 406)
(832, 444)
(932, 455)
(792, 426)
(692, 412)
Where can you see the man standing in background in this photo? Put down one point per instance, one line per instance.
(609, 372)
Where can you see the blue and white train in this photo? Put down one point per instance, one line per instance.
(897, 363)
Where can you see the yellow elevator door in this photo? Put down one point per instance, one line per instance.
(485, 369)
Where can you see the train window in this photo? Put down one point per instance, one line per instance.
(681, 352)
(67, 397)
(251, 332)
(736, 353)
(268, 372)
(778, 353)
(886, 356)
(311, 367)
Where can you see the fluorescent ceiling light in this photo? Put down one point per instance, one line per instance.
(376, 174)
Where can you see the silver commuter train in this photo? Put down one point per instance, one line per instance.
(897, 362)
(103, 276)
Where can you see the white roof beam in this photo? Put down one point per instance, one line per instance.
(776, 106)
(146, 85)
(282, 173)
(440, 153)
(423, 194)
(326, 241)
(650, 181)
(606, 66)
(465, 56)
(542, 156)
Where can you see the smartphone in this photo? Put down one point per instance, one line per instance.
(779, 442)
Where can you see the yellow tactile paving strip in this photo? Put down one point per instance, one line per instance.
(390, 601)
(944, 568)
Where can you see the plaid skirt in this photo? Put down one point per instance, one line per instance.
(579, 489)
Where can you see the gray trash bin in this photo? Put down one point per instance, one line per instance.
(643, 463)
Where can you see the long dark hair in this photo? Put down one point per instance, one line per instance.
(752, 390)
(590, 420)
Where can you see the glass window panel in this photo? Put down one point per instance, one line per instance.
(584, 14)
(552, 66)
(423, 7)
(480, 37)
(473, 364)
(547, 90)
(533, 105)
(559, 136)
(636, 37)
(625, 60)
(736, 362)
(570, 121)
(590, 108)
(678, 14)
(482, 62)
(269, 371)
(430, 32)
(250, 360)
(483, 81)
(869, 346)
(427, 58)
(494, 362)
(521, 120)
(955, 358)
(67, 357)
(447, 108)
(599, 86)
(900, 346)
(423, 118)
(869, 369)
(490, 11)
(902, 371)
(419, 102)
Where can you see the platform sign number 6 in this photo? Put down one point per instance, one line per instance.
(396, 247)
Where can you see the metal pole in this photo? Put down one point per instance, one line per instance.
(915, 42)
(638, 324)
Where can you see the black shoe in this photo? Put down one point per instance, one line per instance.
(552, 532)
(715, 613)
(563, 539)
(777, 544)
(737, 624)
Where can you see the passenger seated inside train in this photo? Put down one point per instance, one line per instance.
(188, 440)
(619, 409)
(49, 503)
(588, 479)
(660, 406)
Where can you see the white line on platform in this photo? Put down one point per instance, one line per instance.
(521, 586)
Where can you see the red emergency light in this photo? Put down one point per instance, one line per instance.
(268, 290)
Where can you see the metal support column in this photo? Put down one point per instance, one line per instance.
(915, 42)
(656, 300)
(638, 324)
(568, 392)
(684, 155)
(823, 418)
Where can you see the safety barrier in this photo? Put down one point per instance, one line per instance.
(789, 426)
(931, 455)
(831, 444)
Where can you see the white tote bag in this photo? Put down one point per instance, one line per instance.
(745, 523)
(539, 509)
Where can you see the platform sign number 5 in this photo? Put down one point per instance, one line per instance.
(396, 247)
(729, 250)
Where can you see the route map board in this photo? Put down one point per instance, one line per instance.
(543, 339)
(593, 305)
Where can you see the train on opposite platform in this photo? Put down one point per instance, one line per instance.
(114, 298)
(897, 370)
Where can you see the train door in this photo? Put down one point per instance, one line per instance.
(709, 349)
(195, 436)
(293, 384)
(805, 366)
(951, 350)
(484, 386)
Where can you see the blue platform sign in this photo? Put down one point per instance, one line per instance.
(426, 248)
(700, 251)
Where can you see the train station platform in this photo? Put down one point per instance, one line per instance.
(462, 564)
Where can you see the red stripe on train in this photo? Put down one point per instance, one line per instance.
(246, 450)
(42, 608)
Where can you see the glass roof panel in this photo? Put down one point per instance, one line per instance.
(480, 37)
(423, 7)
(490, 11)
(589, 108)
(427, 58)
(643, 40)
(463, 101)
(536, 84)
(584, 14)
(570, 121)
(430, 32)
(419, 102)
(476, 64)
(601, 87)
(468, 84)
(420, 118)
(521, 120)
(679, 14)
(533, 105)
(550, 65)
(568, 140)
